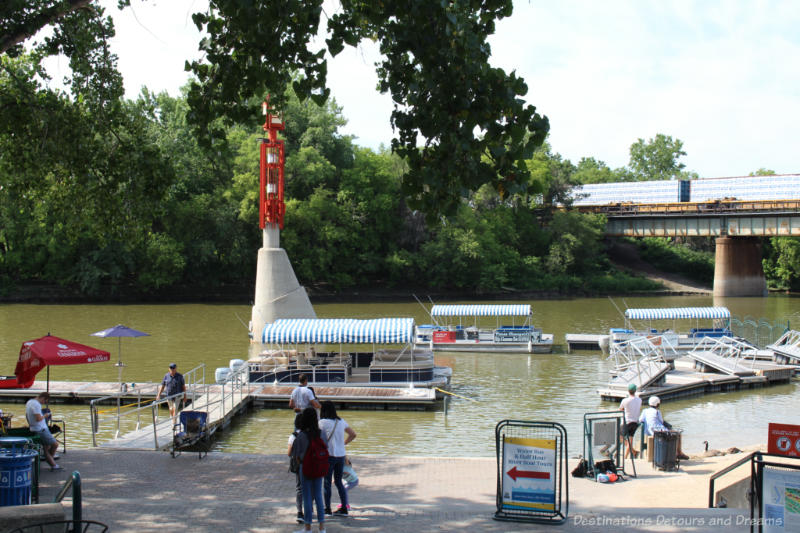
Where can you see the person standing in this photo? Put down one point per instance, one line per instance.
(298, 483)
(333, 431)
(303, 396)
(312, 486)
(631, 406)
(37, 422)
(173, 384)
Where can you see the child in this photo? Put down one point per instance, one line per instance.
(349, 478)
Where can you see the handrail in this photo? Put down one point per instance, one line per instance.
(721, 473)
(74, 483)
(195, 376)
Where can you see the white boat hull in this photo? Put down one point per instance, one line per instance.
(544, 345)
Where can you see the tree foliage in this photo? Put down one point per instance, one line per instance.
(657, 159)
(459, 122)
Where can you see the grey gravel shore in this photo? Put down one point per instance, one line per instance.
(151, 491)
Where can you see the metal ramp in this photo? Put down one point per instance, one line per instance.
(640, 361)
(724, 355)
(786, 350)
(220, 401)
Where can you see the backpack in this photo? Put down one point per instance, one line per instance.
(315, 462)
(582, 469)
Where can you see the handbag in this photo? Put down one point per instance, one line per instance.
(294, 465)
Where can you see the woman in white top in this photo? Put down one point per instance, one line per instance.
(333, 431)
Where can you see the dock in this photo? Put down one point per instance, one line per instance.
(359, 397)
(685, 381)
(586, 341)
(384, 398)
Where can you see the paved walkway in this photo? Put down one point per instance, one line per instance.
(140, 491)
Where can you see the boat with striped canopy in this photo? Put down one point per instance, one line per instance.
(468, 328)
(662, 323)
(331, 351)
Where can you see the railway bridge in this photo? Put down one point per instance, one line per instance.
(739, 212)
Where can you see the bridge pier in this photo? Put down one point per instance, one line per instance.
(737, 267)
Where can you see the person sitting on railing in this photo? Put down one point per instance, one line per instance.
(652, 421)
(37, 422)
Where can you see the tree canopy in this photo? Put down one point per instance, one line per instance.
(459, 122)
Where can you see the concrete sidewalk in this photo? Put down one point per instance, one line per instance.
(150, 491)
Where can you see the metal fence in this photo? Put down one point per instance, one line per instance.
(760, 332)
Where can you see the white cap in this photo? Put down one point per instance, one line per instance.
(654, 401)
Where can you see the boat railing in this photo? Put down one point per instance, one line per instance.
(144, 403)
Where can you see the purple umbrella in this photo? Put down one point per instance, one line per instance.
(120, 331)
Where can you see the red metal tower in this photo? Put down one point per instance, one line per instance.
(271, 206)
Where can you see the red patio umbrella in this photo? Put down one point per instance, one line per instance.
(48, 350)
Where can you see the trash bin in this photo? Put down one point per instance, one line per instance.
(665, 449)
(26, 443)
(16, 474)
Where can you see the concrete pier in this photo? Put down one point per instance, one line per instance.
(278, 293)
(737, 267)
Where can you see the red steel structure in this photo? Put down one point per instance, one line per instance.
(271, 206)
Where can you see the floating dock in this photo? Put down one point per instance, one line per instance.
(684, 381)
(586, 341)
(358, 397)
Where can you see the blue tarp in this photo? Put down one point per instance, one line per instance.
(481, 310)
(667, 313)
(339, 330)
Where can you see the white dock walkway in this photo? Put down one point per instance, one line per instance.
(220, 410)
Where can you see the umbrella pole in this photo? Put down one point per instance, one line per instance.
(119, 362)
(48, 379)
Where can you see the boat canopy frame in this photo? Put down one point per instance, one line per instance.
(720, 316)
(342, 331)
(476, 311)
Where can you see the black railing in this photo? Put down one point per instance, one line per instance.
(713, 478)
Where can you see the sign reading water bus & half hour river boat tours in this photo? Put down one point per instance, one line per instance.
(529, 467)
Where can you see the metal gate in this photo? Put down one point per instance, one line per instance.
(532, 485)
(602, 439)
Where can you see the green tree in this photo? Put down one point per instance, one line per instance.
(591, 170)
(782, 262)
(763, 172)
(657, 159)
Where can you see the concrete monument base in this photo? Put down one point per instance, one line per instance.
(278, 293)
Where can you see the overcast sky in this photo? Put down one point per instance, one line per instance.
(722, 76)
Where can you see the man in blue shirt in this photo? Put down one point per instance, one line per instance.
(653, 421)
(172, 384)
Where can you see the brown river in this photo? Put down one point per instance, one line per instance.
(557, 387)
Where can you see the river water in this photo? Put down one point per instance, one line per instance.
(556, 387)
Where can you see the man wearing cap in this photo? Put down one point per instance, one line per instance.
(172, 384)
(631, 406)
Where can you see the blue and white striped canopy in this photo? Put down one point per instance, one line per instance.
(481, 310)
(339, 330)
(667, 313)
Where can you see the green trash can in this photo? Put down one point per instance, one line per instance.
(16, 475)
(665, 449)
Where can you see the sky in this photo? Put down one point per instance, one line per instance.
(722, 76)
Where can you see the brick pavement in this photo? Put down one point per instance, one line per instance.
(150, 491)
